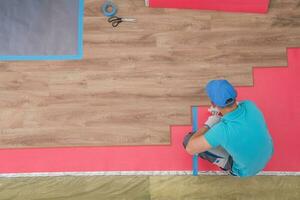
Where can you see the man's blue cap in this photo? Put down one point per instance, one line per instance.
(221, 92)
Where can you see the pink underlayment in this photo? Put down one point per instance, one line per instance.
(252, 6)
(276, 91)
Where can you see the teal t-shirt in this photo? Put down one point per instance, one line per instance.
(243, 133)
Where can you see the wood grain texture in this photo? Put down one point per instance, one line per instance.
(153, 187)
(138, 79)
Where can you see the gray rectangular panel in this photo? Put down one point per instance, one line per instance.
(39, 27)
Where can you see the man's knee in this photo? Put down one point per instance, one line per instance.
(222, 161)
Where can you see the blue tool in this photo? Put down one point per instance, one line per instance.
(106, 8)
(195, 165)
(195, 128)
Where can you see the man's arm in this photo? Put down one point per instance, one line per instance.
(197, 142)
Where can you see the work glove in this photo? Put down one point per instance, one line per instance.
(212, 120)
(187, 138)
(214, 110)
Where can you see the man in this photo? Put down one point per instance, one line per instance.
(235, 137)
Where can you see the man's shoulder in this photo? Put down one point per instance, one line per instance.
(247, 104)
(251, 110)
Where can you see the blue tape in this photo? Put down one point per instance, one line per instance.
(195, 118)
(106, 6)
(28, 58)
(195, 165)
(195, 128)
(80, 29)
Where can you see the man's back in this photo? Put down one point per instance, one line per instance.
(244, 135)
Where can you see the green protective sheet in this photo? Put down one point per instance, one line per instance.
(153, 187)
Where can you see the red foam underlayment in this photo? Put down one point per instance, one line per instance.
(276, 92)
(256, 6)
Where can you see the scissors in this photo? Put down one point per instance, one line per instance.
(115, 21)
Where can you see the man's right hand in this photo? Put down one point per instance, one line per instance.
(214, 110)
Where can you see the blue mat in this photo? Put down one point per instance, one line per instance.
(41, 29)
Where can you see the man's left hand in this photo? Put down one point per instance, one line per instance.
(212, 120)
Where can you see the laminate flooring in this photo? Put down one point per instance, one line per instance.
(153, 187)
(139, 78)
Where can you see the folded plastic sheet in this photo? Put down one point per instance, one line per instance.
(40, 29)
